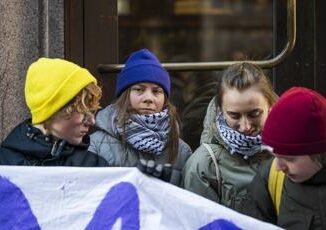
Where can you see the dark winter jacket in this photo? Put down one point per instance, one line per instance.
(27, 145)
(303, 205)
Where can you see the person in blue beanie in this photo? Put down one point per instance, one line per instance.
(140, 129)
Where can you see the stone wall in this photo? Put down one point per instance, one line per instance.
(29, 29)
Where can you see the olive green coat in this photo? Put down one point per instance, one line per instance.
(199, 173)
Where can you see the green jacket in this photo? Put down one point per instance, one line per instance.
(199, 174)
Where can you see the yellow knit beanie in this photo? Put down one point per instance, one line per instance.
(51, 84)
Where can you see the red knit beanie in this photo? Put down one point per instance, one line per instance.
(296, 124)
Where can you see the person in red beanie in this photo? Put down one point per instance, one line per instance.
(295, 134)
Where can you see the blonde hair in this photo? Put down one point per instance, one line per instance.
(124, 111)
(87, 100)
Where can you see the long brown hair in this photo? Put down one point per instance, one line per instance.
(124, 110)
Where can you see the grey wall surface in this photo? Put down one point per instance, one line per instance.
(29, 29)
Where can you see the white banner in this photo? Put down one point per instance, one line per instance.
(106, 198)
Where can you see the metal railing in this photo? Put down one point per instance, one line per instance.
(196, 66)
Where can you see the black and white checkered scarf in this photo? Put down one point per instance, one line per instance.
(147, 133)
(238, 142)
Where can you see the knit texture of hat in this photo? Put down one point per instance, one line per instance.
(142, 66)
(296, 124)
(51, 84)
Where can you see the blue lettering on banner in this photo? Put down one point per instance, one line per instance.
(120, 202)
(220, 224)
(14, 208)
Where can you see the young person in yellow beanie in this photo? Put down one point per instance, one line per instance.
(62, 98)
(291, 191)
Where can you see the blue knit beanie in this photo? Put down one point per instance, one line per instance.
(142, 66)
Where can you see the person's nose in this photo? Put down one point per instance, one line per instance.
(244, 126)
(148, 96)
(89, 119)
(279, 164)
(92, 120)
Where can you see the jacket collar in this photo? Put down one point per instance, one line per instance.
(30, 141)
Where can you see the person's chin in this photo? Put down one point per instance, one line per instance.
(146, 112)
(75, 141)
(255, 133)
(295, 179)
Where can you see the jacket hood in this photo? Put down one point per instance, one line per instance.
(210, 133)
(106, 119)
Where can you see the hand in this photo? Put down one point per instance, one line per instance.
(160, 171)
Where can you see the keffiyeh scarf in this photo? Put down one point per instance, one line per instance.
(237, 142)
(147, 133)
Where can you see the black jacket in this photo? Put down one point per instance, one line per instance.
(27, 145)
(303, 205)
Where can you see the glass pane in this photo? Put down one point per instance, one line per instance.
(196, 31)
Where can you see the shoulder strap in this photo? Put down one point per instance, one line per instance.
(217, 171)
(275, 186)
(211, 153)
